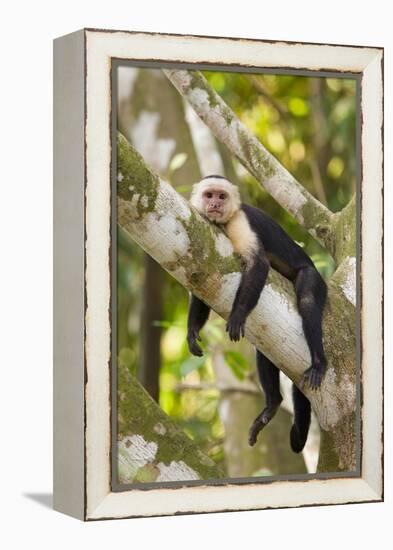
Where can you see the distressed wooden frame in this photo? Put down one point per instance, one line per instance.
(82, 240)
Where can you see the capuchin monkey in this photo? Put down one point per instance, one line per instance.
(262, 243)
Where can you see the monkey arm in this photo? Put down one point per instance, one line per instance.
(247, 295)
(198, 314)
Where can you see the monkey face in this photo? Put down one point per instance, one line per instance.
(216, 198)
(215, 204)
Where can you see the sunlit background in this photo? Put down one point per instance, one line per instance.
(309, 124)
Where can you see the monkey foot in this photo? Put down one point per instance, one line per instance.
(194, 348)
(296, 440)
(313, 376)
(260, 422)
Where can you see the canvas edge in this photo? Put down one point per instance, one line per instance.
(372, 275)
(98, 507)
(68, 272)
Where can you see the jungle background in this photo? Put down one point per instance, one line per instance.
(309, 124)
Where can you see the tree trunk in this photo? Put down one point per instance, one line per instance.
(150, 332)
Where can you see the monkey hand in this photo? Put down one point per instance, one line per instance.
(235, 326)
(313, 376)
(192, 337)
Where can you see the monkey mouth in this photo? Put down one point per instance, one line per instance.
(214, 211)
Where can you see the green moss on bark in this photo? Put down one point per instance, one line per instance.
(203, 261)
(344, 227)
(135, 181)
(318, 222)
(337, 451)
(340, 333)
(198, 81)
(138, 414)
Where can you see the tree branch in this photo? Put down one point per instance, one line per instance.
(344, 229)
(277, 181)
(200, 257)
(150, 446)
(222, 388)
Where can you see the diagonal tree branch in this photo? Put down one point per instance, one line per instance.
(201, 258)
(150, 446)
(277, 181)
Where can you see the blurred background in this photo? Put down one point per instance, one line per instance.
(309, 124)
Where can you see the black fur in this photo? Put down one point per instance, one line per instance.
(269, 376)
(276, 249)
(247, 295)
(214, 176)
(198, 314)
(302, 418)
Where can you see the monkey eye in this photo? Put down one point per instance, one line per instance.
(209, 195)
(222, 196)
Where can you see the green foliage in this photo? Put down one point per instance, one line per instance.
(237, 363)
(191, 364)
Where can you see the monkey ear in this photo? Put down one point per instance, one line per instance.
(236, 200)
(194, 188)
(195, 197)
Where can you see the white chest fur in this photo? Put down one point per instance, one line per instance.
(243, 238)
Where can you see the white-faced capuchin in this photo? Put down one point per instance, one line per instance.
(262, 243)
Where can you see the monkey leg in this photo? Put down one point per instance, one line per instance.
(269, 376)
(311, 296)
(198, 314)
(301, 422)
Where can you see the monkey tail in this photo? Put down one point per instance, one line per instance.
(302, 418)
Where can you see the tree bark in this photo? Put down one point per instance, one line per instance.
(201, 258)
(150, 446)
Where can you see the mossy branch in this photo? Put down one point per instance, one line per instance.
(201, 258)
(150, 446)
(277, 181)
(344, 228)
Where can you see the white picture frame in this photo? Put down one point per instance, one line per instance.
(82, 334)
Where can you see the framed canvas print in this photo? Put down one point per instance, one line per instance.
(218, 274)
